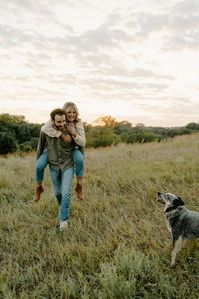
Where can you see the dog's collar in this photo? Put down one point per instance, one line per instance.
(172, 208)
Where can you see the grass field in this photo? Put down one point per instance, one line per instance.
(117, 244)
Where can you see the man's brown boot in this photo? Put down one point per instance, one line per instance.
(79, 191)
(39, 190)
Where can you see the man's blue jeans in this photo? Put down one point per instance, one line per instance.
(42, 162)
(62, 181)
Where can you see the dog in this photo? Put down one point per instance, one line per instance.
(181, 222)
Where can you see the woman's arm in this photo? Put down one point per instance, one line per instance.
(78, 133)
(49, 129)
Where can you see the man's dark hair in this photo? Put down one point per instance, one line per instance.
(57, 112)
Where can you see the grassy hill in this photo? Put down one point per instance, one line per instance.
(117, 244)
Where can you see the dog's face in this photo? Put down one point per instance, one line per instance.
(170, 200)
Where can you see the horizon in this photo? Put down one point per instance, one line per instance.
(132, 60)
(97, 123)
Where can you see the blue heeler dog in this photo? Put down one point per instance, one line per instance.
(181, 222)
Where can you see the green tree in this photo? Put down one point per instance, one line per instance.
(192, 126)
(122, 127)
(101, 137)
(16, 133)
(7, 142)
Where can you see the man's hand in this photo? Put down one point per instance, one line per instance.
(71, 130)
(66, 138)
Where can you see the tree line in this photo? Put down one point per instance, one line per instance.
(17, 135)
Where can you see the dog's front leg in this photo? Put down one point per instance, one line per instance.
(177, 244)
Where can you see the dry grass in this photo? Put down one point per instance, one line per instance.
(117, 244)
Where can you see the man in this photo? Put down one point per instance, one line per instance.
(60, 163)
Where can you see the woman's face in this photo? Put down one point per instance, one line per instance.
(71, 115)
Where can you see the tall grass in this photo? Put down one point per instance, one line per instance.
(117, 244)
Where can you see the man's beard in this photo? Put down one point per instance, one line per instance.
(60, 128)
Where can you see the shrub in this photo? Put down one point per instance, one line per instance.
(133, 275)
(8, 142)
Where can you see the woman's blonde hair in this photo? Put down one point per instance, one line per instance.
(68, 105)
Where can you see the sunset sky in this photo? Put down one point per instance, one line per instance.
(136, 60)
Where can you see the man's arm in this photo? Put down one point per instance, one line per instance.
(41, 144)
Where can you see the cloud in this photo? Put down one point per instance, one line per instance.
(182, 32)
(34, 7)
(104, 37)
(115, 70)
(185, 7)
(140, 55)
(142, 24)
(178, 28)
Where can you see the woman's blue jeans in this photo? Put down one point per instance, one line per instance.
(62, 181)
(42, 162)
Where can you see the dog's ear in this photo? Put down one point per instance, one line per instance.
(178, 202)
(181, 201)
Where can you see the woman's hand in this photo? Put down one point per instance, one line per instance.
(71, 130)
(66, 138)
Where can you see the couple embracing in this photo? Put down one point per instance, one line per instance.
(61, 145)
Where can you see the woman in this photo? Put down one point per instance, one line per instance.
(76, 130)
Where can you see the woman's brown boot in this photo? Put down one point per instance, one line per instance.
(38, 191)
(79, 191)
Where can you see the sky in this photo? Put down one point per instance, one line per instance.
(135, 60)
